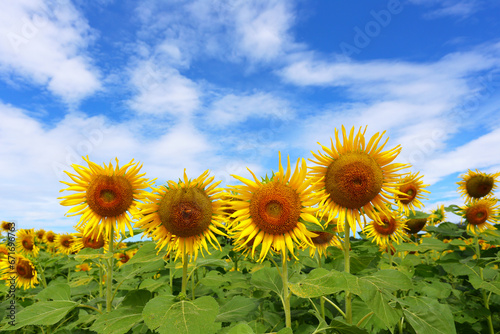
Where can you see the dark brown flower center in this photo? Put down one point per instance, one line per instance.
(411, 192)
(275, 208)
(66, 242)
(24, 269)
(477, 214)
(322, 238)
(386, 226)
(93, 242)
(110, 196)
(50, 238)
(27, 244)
(185, 212)
(479, 186)
(124, 258)
(353, 180)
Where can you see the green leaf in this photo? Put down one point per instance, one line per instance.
(44, 313)
(418, 215)
(321, 282)
(285, 331)
(343, 328)
(268, 279)
(187, 316)
(432, 244)
(390, 280)
(241, 328)
(214, 279)
(118, 321)
(59, 291)
(478, 283)
(237, 309)
(378, 302)
(145, 254)
(136, 298)
(427, 315)
(156, 284)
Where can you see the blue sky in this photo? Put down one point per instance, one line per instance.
(224, 85)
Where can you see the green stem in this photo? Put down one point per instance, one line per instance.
(483, 292)
(364, 318)
(389, 248)
(90, 307)
(347, 269)
(334, 305)
(400, 325)
(42, 275)
(184, 274)
(286, 292)
(100, 285)
(321, 300)
(109, 271)
(192, 287)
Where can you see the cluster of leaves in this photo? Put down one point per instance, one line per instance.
(435, 285)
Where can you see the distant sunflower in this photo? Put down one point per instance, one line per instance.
(476, 185)
(323, 240)
(415, 225)
(437, 216)
(6, 226)
(480, 214)
(124, 257)
(39, 235)
(388, 228)
(270, 212)
(91, 240)
(4, 252)
(105, 196)
(49, 238)
(412, 189)
(64, 243)
(353, 177)
(23, 269)
(183, 216)
(83, 267)
(25, 242)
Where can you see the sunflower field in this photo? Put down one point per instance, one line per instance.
(338, 245)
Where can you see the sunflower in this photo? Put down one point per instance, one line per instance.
(4, 252)
(90, 240)
(437, 216)
(83, 267)
(323, 240)
(39, 235)
(415, 225)
(480, 214)
(6, 226)
(23, 270)
(354, 177)
(183, 216)
(412, 189)
(25, 242)
(105, 196)
(388, 228)
(269, 212)
(64, 243)
(475, 185)
(49, 238)
(124, 257)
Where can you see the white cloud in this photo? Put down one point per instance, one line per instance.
(461, 9)
(45, 43)
(232, 109)
(163, 90)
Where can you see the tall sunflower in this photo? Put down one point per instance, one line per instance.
(124, 257)
(183, 216)
(437, 216)
(26, 275)
(4, 252)
(323, 240)
(39, 235)
(49, 238)
(270, 212)
(355, 177)
(476, 185)
(25, 242)
(6, 226)
(64, 243)
(412, 189)
(106, 196)
(480, 214)
(90, 240)
(390, 227)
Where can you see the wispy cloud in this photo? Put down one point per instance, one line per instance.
(440, 8)
(45, 43)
